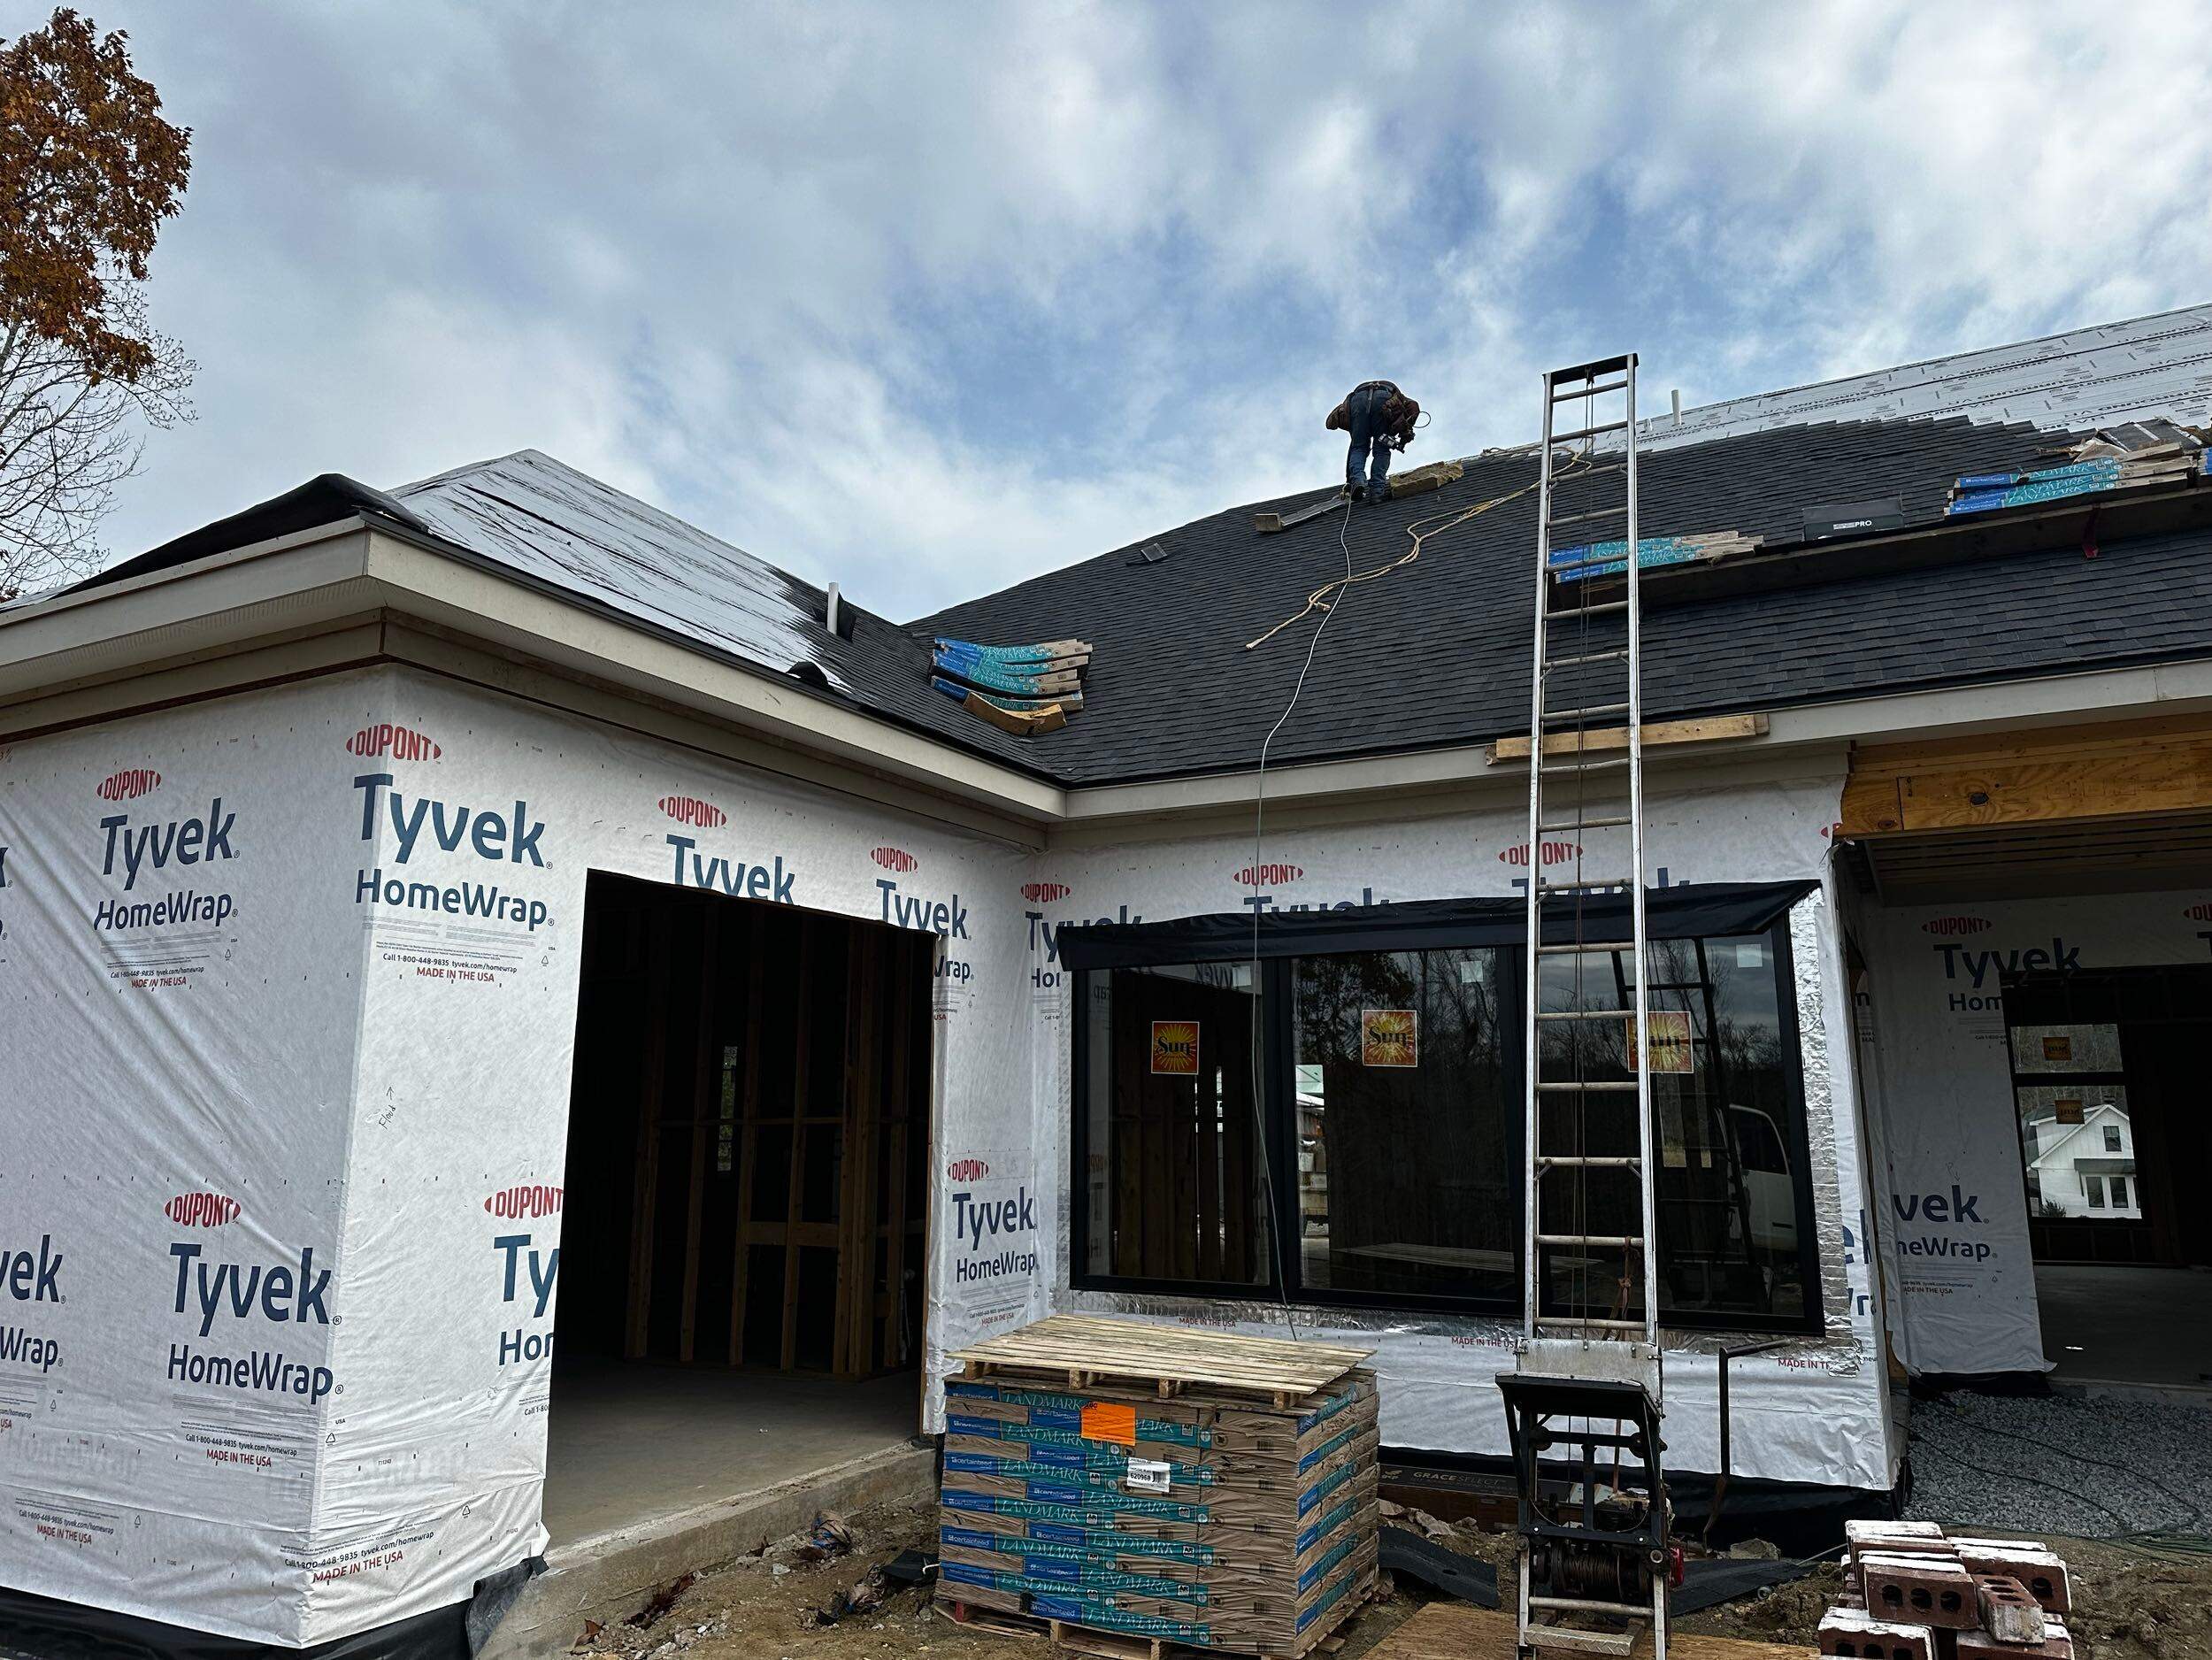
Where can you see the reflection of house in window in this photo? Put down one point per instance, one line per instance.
(2086, 1168)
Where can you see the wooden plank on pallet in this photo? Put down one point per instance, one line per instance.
(1704, 729)
(1459, 1631)
(1100, 1347)
(1268, 524)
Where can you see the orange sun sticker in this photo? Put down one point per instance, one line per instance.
(1389, 1037)
(1175, 1047)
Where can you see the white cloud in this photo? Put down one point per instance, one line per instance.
(774, 268)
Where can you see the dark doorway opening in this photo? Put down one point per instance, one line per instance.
(746, 1187)
(2109, 1082)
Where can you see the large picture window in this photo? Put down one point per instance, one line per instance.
(1346, 1126)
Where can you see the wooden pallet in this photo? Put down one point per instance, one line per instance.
(1455, 1630)
(1082, 1351)
(1067, 1638)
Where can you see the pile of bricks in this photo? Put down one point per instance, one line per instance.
(1913, 1592)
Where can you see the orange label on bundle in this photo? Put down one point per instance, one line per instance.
(1102, 1421)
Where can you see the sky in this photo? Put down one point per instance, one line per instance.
(927, 299)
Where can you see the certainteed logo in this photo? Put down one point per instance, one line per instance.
(401, 743)
(1953, 928)
(1045, 893)
(129, 783)
(525, 1199)
(201, 1210)
(894, 859)
(1267, 875)
(691, 810)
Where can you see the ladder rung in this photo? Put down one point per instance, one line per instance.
(1568, 1322)
(1586, 712)
(1592, 1605)
(1588, 1161)
(1618, 364)
(1607, 1241)
(1565, 1086)
(1583, 948)
(1588, 885)
(1595, 389)
(1588, 611)
(1598, 431)
(1585, 823)
(1580, 659)
(1587, 766)
(1581, 1014)
(1577, 519)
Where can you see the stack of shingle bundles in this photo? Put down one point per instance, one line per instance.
(1914, 1592)
(2134, 457)
(1196, 1487)
(1596, 559)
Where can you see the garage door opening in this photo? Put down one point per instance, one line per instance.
(2108, 1076)
(741, 1294)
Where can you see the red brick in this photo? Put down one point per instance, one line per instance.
(2008, 1613)
(1855, 1636)
(2038, 1571)
(1927, 1590)
(2057, 1644)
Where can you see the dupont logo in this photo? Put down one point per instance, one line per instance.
(402, 743)
(1267, 875)
(2201, 912)
(1045, 893)
(525, 1199)
(1956, 925)
(894, 859)
(201, 1210)
(967, 1170)
(129, 784)
(691, 810)
(1554, 853)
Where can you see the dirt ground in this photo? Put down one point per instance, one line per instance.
(2129, 1605)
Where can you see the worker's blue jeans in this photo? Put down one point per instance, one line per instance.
(1371, 448)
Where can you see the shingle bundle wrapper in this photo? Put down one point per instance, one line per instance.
(1596, 559)
(1224, 1523)
(2134, 457)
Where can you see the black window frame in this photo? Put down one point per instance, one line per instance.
(1278, 1070)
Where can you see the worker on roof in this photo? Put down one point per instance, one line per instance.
(1380, 419)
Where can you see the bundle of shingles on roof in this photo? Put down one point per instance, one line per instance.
(1596, 559)
(2136, 456)
(1021, 689)
(1913, 1592)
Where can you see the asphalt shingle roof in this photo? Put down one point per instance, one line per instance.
(1437, 653)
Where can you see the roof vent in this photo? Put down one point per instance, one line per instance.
(809, 674)
(837, 616)
(1151, 553)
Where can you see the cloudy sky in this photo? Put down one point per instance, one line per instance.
(928, 298)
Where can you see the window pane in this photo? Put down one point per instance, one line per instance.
(2066, 1048)
(2076, 1142)
(1406, 1181)
(1726, 1124)
(1175, 1188)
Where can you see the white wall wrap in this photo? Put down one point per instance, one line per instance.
(1958, 1220)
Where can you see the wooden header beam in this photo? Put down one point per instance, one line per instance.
(1705, 729)
(2115, 769)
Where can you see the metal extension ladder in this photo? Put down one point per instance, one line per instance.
(1594, 1560)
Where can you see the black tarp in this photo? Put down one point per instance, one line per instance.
(328, 499)
(1694, 910)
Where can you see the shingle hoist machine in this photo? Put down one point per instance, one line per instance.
(1585, 1392)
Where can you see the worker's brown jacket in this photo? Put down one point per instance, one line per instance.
(1398, 414)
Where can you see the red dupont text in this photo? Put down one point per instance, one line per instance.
(526, 1199)
(691, 810)
(201, 1210)
(402, 743)
(129, 784)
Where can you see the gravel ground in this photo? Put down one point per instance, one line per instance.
(2060, 1464)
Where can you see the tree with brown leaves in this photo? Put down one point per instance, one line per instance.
(88, 171)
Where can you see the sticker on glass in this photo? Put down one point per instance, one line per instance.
(1175, 1047)
(1389, 1037)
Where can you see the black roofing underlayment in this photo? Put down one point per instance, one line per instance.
(1437, 653)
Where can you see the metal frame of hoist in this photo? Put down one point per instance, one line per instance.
(1609, 1369)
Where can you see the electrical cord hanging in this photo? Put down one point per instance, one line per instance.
(1259, 821)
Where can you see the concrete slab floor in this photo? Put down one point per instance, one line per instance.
(2109, 1324)
(627, 1443)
